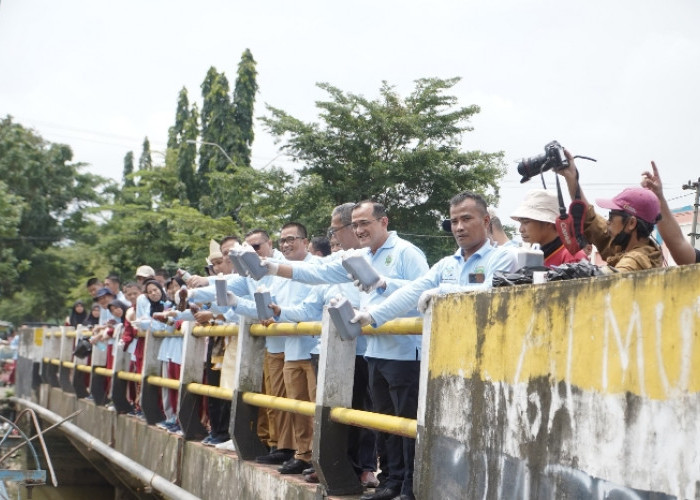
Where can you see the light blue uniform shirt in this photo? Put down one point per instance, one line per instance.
(397, 259)
(450, 274)
(311, 309)
(244, 288)
(289, 293)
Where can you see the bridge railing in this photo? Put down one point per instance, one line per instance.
(332, 410)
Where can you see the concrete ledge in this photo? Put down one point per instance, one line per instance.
(201, 470)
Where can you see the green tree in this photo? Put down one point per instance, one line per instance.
(243, 104)
(145, 160)
(182, 115)
(217, 126)
(403, 152)
(186, 157)
(127, 178)
(44, 211)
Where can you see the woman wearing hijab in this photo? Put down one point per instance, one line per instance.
(78, 315)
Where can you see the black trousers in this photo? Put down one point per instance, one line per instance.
(219, 409)
(394, 386)
(362, 443)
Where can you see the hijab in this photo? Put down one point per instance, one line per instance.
(77, 318)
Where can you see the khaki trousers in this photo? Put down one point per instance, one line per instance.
(300, 383)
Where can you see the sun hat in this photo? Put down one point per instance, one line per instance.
(538, 205)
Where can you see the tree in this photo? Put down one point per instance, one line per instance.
(44, 210)
(243, 103)
(403, 153)
(182, 115)
(127, 178)
(187, 154)
(145, 160)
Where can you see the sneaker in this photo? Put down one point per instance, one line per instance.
(166, 423)
(218, 440)
(175, 429)
(226, 446)
(207, 441)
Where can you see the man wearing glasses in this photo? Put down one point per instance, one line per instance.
(623, 239)
(393, 360)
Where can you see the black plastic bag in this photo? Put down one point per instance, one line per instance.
(83, 348)
(570, 271)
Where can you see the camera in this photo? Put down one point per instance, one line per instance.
(553, 158)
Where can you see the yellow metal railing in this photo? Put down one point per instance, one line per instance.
(376, 421)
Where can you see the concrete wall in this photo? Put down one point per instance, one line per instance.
(578, 389)
(203, 471)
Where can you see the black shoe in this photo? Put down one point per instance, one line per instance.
(381, 494)
(308, 471)
(276, 457)
(296, 466)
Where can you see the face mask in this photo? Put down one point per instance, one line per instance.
(622, 239)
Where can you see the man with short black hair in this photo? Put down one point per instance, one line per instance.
(114, 284)
(393, 360)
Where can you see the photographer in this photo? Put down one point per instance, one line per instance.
(537, 215)
(623, 239)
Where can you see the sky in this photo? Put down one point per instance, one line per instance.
(617, 81)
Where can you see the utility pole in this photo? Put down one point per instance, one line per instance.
(696, 187)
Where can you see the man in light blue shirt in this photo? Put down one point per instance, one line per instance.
(393, 360)
(471, 267)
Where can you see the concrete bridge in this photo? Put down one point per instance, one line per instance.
(579, 389)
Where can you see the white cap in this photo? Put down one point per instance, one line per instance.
(214, 251)
(145, 272)
(538, 205)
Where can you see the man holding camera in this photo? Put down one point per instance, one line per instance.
(623, 239)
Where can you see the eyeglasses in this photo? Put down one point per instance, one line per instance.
(363, 223)
(290, 239)
(620, 213)
(333, 231)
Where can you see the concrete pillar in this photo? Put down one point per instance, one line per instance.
(66, 354)
(191, 370)
(52, 350)
(122, 361)
(81, 380)
(150, 394)
(336, 368)
(249, 378)
(98, 383)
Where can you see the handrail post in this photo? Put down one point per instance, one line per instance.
(150, 394)
(65, 354)
(191, 370)
(249, 378)
(336, 367)
(28, 361)
(52, 350)
(98, 383)
(120, 387)
(419, 474)
(79, 386)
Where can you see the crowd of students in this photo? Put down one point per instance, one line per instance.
(304, 276)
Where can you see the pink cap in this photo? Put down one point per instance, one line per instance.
(636, 201)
